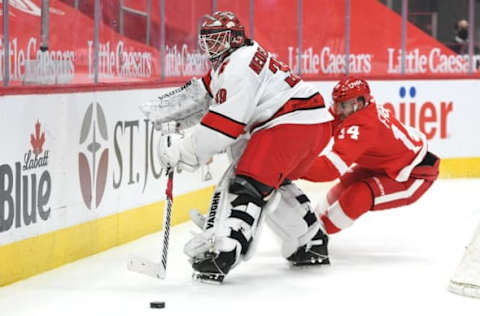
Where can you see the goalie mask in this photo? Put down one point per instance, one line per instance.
(347, 96)
(220, 34)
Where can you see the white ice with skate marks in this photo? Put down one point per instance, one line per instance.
(395, 262)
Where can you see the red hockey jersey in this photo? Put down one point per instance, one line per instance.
(374, 139)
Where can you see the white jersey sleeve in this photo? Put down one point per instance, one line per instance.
(234, 88)
(251, 91)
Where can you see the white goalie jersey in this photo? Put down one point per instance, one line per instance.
(249, 91)
(252, 91)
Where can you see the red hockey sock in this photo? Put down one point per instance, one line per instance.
(353, 202)
(356, 200)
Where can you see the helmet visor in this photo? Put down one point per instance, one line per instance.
(214, 44)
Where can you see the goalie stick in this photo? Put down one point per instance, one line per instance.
(143, 265)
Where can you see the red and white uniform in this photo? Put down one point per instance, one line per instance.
(392, 166)
(256, 94)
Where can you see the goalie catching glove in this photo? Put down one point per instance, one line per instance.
(185, 105)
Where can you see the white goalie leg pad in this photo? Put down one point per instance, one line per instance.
(293, 220)
(271, 205)
(218, 233)
(243, 221)
(205, 240)
(232, 223)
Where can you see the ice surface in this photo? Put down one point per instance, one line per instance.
(395, 262)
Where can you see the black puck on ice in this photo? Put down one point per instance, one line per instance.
(157, 304)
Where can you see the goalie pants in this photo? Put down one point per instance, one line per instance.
(282, 152)
(364, 189)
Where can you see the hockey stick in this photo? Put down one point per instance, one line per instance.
(145, 266)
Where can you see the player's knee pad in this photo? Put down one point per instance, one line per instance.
(293, 220)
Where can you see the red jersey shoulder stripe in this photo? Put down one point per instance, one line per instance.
(223, 124)
(312, 102)
(297, 104)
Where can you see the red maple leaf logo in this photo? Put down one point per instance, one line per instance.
(37, 140)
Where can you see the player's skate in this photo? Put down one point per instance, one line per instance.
(212, 257)
(214, 266)
(314, 252)
(304, 241)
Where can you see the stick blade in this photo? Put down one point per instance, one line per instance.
(147, 267)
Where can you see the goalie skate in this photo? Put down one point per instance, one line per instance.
(213, 267)
(210, 278)
(314, 252)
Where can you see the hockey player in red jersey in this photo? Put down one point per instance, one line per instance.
(272, 124)
(381, 163)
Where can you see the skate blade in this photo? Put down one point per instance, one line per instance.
(311, 263)
(209, 278)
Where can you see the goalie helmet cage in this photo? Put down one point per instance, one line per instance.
(466, 279)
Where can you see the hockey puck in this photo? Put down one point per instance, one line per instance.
(157, 304)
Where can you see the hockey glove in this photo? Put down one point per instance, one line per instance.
(180, 154)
